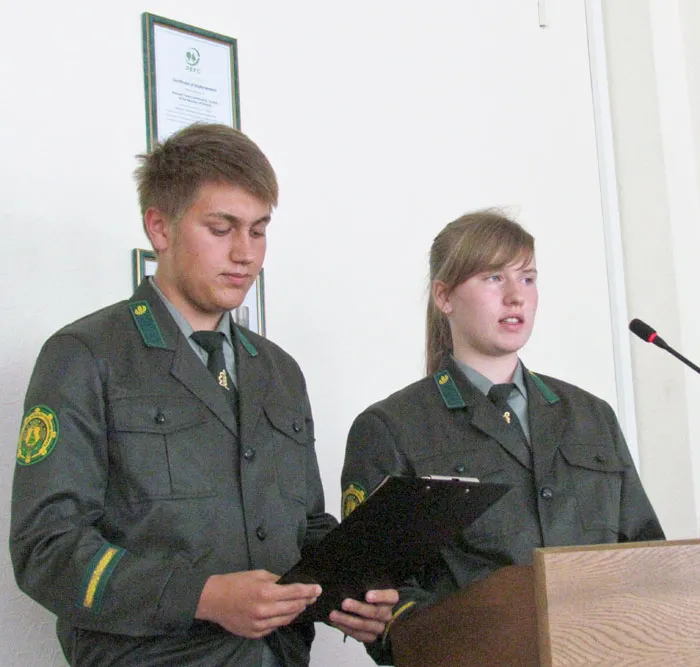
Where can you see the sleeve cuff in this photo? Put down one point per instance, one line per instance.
(401, 609)
(180, 598)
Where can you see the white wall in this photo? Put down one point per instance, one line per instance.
(384, 120)
(655, 93)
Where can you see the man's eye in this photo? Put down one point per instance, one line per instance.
(257, 233)
(494, 278)
(217, 231)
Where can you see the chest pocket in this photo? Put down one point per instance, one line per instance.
(479, 462)
(163, 447)
(291, 441)
(595, 476)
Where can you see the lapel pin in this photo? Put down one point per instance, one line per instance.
(223, 380)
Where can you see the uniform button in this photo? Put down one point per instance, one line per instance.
(547, 493)
(160, 418)
(296, 426)
(460, 468)
(249, 453)
(599, 458)
(260, 532)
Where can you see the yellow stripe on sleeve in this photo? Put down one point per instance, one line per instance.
(97, 573)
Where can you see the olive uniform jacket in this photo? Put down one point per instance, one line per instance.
(134, 483)
(578, 485)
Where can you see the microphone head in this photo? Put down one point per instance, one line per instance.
(645, 332)
(642, 329)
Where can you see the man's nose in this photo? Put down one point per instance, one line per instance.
(241, 250)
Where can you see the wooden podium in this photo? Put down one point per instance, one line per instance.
(634, 604)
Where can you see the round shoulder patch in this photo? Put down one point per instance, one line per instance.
(38, 435)
(353, 496)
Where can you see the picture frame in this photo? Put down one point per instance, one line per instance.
(144, 264)
(250, 314)
(190, 75)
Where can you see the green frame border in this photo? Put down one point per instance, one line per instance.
(140, 256)
(148, 23)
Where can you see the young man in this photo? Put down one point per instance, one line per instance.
(480, 413)
(158, 496)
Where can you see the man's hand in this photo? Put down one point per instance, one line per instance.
(251, 604)
(365, 621)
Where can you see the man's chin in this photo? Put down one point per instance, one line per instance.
(232, 299)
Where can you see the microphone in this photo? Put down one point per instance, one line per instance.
(647, 333)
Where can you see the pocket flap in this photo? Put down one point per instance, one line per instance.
(289, 421)
(156, 414)
(593, 457)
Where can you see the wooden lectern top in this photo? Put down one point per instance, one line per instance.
(620, 604)
(616, 605)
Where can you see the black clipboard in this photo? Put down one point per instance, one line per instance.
(401, 526)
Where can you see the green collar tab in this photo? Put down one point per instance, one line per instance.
(548, 394)
(146, 323)
(250, 348)
(448, 390)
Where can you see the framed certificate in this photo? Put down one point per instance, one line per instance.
(190, 75)
(250, 314)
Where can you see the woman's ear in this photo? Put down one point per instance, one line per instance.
(441, 296)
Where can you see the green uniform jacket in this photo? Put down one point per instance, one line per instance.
(580, 487)
(151, 487)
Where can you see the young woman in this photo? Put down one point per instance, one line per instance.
(480, 413)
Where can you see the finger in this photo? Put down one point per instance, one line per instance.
(381, 612)
(386, 596)
(285, 608)
(360, 635)
(357, 624)
(297, 592)
(264, 575)
(274, 622)
(263, 626)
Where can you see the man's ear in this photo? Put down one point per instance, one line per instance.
(159, 229)
(441, 297)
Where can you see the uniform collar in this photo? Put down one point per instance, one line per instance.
(483, 384)
(223, 327)
(458, 391)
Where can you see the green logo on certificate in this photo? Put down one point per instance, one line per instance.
(192, 56)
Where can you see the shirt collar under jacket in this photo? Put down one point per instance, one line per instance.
(184, 326)
(483, 384)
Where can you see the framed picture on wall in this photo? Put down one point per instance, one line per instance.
(190, 75)
(144, 264)
(250, 314)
